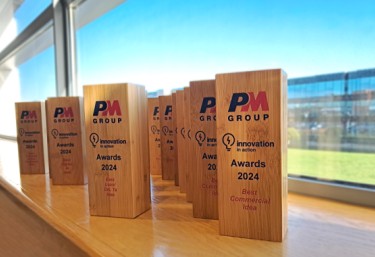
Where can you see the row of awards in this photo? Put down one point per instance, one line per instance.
(222, 141)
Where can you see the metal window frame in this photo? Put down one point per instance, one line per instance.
(39, 26)
(334, 191)
(42, 22)
(65, 54)
(60, 16)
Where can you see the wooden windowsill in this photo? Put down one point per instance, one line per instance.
(317, 227)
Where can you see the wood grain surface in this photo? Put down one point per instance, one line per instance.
(188, 146)
(203, 131)
(181, 156)
(175, 131)
(154, 135)
(65, 132)
(30, 137)
(117, 149)
(168, 153)
(24, 234)
(317, 227)
(251, 131)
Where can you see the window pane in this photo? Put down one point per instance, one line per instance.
(332, 132)
(165, 44)
(15, 16)
(33, 80)
(37, 77)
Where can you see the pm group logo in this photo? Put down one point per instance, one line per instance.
(107, 111)
(28, 116)
(208, 109)
(244, 102)
(63, 114)
(155, 113)
(168, 112)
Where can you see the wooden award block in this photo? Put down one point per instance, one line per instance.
(30, 137)
(204, 164)
(154, 136)
(188, 146)
(66, 151)
(175, 131)
(168, 153)
(117, 149)
(252, 154)
(181, 140)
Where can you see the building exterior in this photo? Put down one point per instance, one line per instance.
(333, 111)
(155, 94)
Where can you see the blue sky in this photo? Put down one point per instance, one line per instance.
(167, 43)
(28, 11)
(37, 75)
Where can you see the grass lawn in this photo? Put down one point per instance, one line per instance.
(353, 167)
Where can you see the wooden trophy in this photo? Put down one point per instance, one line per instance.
(252, 154)
(203, 133)
(188, 146)
(168, 153)
(30, 137)
(175, 131)
(154, 136)
(66, 150)
(181, 140)
(117, 156)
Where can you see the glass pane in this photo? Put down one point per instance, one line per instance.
(332, 133)
(165, 44)
(15, 16)
(33, 80)
(37, 77)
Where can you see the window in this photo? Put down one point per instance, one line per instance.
(37, 77)
(16, 15)
(33, 80)
(27, 62)
(165, 44)
(331, 128)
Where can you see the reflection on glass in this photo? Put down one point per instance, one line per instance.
(331, 126)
